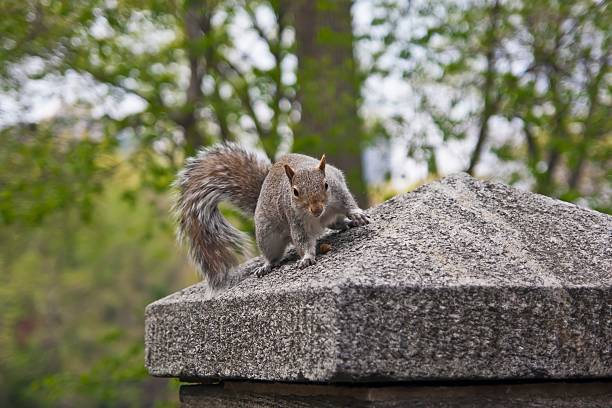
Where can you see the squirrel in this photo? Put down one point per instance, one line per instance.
(293, 201)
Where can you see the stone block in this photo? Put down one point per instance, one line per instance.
(460, 279)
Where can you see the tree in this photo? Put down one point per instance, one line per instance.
(86, 239)
(72, 298)
(568, 79)
(328, 87)
(184, 66)
(177, 61)
(538, 73)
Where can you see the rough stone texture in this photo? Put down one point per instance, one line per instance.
(458, 280)
(260, 395)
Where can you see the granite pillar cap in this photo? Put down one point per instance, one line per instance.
(460, 279)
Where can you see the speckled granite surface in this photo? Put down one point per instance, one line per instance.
(458, 280)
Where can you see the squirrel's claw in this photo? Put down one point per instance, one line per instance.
(358, 218)
(305, 262)
(263, 270)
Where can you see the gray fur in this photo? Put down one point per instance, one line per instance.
(280, 214)
(227, 172)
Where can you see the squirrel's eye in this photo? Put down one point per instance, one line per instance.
(295, 192)
(326, 186)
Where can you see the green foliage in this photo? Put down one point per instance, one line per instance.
(72, 298)
(42, 172)
(178, 59)
(542, 67)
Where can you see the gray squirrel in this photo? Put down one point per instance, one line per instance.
(293, 200)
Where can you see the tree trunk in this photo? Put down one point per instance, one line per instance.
(328, 87)
(591, 125)
(197, 24)
(489, 103)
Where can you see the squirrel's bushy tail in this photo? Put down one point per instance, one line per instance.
(224, 172)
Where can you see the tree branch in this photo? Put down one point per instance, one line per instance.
(589, 124)
(269, 139)
(197, 24)
(532, 147)
(489, 106)
(242, 91)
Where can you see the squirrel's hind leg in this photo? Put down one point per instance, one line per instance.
(272, 247)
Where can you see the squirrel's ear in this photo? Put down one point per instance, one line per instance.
(322, 164)
(289, 171)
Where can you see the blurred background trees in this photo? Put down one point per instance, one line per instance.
(519, 91)
(102, 101)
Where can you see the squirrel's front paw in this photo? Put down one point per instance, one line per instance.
(263, 270)
(358, 218)
(306, 261)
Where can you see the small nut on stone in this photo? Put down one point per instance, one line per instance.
(325, 248)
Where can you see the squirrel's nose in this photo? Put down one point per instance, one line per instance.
(316, 211)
